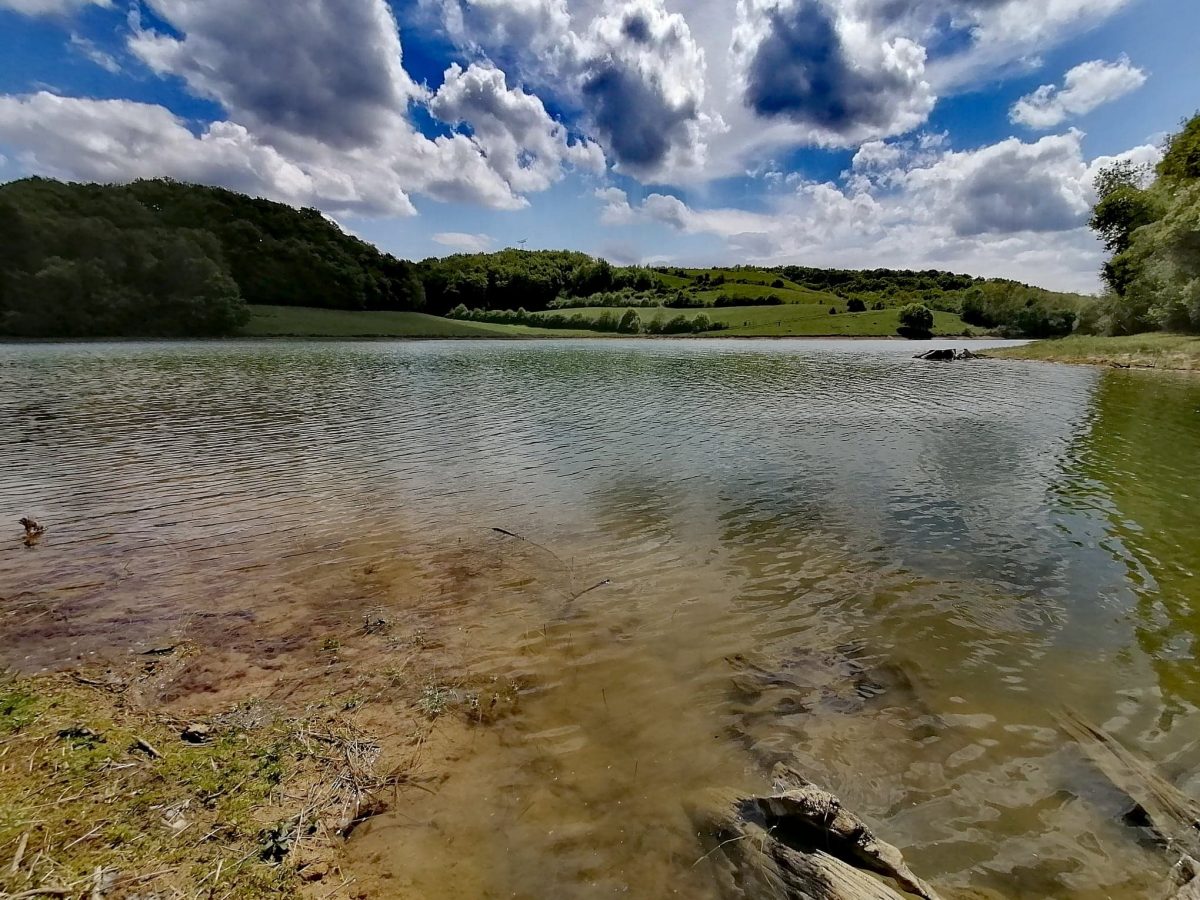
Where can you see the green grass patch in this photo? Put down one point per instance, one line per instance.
(794, 320)
(755, 276)
(305, 321)
(759, 291)
(1159, 350)
(100, 798)
(674, 282)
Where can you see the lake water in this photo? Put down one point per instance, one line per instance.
(940, 557)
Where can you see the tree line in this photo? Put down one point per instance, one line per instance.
(628, 322)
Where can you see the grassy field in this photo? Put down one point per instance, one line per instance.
(302, 321)
(757, 276)
(1154, 350)
(793, 319)
(786, 294)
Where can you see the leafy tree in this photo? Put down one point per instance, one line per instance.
(1153, 233)
(1181, 156)
(630, 323)
(916, 322)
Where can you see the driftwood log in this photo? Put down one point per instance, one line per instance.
(947, 355)
(1170, 814)
(798, 843)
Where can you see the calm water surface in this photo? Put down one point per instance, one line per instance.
(940, 556)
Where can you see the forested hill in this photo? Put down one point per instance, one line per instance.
(164, 258)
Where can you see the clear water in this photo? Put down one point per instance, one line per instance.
(941, 555)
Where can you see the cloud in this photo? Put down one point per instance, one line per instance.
(513, 33)
(643, 81)
(634, 72)
(90, 51)
(1085, 87)
(463, 242)
(918, 204)
(512, 128)
(714, 87)
(617, 210)
(327, 69)
(1007, 187)
(1007, 35)
(319, 111)
(802, 62)
(51, 7)
(120, 140)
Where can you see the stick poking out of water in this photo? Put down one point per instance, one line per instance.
(543, 548)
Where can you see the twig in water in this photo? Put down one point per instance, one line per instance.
(521, 537)
(600, 584)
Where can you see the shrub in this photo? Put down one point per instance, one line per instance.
(916, 322)
(855, 305)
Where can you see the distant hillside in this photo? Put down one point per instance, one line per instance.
(538, 280)
(160, 258)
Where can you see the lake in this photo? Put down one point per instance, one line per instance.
(603, 535)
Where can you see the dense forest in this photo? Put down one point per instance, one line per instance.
(160, 258)
(1150, 223)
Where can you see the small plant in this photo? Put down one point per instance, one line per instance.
(331, 645)
(276, 843)
(17, 709)
(435, 700)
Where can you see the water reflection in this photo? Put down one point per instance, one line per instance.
(936, 557)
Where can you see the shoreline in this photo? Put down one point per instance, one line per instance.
(1159, 351)
(378, 338)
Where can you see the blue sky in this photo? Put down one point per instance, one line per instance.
(959, 134)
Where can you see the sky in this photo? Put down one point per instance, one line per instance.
(955, 134)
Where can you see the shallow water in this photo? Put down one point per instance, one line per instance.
(938, 556)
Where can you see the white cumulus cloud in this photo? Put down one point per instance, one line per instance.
(463, 242)
(50, 7)
(1085, 87)
(512, 128)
